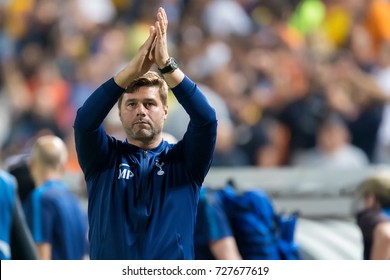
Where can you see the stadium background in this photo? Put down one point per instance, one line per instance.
(273, 70)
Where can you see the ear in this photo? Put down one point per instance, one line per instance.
(30, 162)
(119, 114)
(165, 112)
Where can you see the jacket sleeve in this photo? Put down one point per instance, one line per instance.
(200, 137)
(92, 142)
(22, 243)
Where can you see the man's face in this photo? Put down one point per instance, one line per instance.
(142, 114)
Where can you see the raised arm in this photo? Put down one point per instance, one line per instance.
(199, 140)
(160, 50)
(184, 89)
(92, 143)
(91, 115)
(140, 64)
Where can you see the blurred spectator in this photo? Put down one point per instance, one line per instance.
(364, 100)
(54, 215)
(333, 148)
(16, 242)
(224, 18)
(382, 76)
(301, 118)
(271, 145)
(227, 154)
(101, 12)
(17, 166)
(376, 21)
(374, 218)
(177, 121)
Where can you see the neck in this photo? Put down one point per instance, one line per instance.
(43, 178)
(332, 149)
(145, 145)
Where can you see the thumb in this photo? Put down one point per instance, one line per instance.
(152, 35)
(152, 29)
(148, 43)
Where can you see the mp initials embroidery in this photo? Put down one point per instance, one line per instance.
(125, 172)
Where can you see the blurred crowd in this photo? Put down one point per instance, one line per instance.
(294, 82)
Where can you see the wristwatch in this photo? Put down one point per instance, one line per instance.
(170, 66)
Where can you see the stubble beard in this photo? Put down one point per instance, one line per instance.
(142, 134)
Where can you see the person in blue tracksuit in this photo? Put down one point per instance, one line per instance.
(214, 237)
(56, 218)
(143, 192)
(16, 242)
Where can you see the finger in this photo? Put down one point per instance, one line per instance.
(161, 11)
(152, 35)
(160, 30)
(164, 16)
(151, 51)
(161, 16)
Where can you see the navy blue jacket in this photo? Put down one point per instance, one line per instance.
(55, 216)
(212, 223)
(142, 204)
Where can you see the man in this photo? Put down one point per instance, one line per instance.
(143, 192)
(15, 238)
(55, 216)
(374, 220)
(18, 166)
(214, 238)
(333, 148)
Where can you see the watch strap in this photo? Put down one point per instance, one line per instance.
(171, 66)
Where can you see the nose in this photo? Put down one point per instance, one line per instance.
(141, 110)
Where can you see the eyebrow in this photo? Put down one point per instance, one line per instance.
(141, 100)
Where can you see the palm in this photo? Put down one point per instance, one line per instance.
(142, 62)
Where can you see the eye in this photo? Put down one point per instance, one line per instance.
(131, 104)
(149, 104)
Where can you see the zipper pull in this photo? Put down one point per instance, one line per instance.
(144, 153)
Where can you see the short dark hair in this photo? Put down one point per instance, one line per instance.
(149, 79)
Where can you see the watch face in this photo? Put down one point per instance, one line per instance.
(173, 63)
(171, 66)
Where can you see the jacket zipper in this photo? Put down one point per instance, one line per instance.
(142, 204)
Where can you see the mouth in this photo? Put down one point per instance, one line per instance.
(141, 123)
